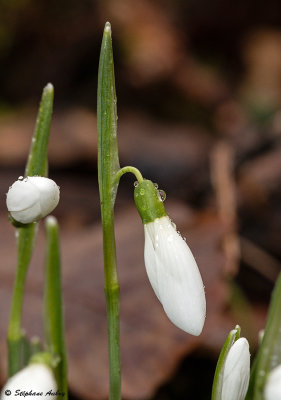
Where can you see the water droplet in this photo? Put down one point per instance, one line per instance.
(20, 178)
(136, 184)
(161, 195)
(174, 225)
(142, 192)
(184, 238)
(155, 185)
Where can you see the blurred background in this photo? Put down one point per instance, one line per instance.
(199, 95)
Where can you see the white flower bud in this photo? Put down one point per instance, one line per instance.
(32, 198)
(236, 371)
(174, 275)
(33, 381)
(272, 390)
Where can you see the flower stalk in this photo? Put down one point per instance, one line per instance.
(36, 165)
(53, 306)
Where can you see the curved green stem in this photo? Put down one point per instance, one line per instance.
(125, 170)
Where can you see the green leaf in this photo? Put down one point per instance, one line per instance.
(218, 378)
(53, 305)
(269, 354)
(108, 165)
(108, 161)
(37, 160)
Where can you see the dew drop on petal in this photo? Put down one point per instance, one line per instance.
(155, 185)
(161, 195)
(174, 225)
(20, 178)
(136, 183)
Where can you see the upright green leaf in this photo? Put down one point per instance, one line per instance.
(108, 161)
(269, 354)
(108, 165)
(37, 160)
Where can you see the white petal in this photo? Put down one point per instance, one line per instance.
(22, 195)
(236, 371)
(272, 390)
(49, 193)
(37, 378)
(174, 275)
(33, 198)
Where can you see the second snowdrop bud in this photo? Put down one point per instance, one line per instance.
(32, 198)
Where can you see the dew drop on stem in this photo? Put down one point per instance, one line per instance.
(161, 195)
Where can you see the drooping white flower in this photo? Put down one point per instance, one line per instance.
(174, 275)
(35, 379)
(170, 265)
(236, 371)
(32, 198)
(272, 390)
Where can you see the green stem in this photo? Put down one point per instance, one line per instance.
(125, 170)
(25, 246)
(108, 165)
(53, 306)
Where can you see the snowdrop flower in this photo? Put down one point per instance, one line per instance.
(236, 371)
(170, 265)
(32, 198)
(272, 390)
(33, 381)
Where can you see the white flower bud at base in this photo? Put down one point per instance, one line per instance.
(32, 198)
(36, 379)
(236, 372)
(272, 390)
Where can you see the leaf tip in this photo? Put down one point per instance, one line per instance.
(49, 87)
(107, 28)
(51, 221)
